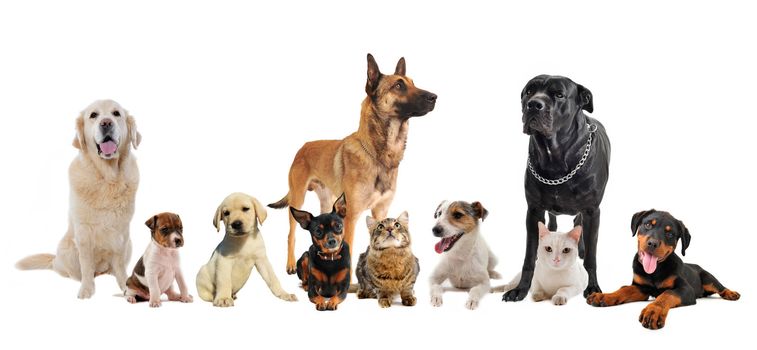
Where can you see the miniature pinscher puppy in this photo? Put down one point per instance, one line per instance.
(325, 268)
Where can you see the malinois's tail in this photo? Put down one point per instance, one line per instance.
(283, 203)
(36, 262)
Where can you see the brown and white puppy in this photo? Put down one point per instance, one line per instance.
(159, 265)
(364, 164)
(467, 262)
(103, 180)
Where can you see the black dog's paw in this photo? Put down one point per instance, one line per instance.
(516, 294)
(591, 289)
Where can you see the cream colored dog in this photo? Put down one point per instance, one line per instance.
(103, 179)
(242, 248)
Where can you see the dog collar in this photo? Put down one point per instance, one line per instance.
(564, 179)
(366, 150)
(332, 256)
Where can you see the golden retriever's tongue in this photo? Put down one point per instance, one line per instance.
(649, 262)
(108, 147)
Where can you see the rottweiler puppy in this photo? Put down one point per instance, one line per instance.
(325, 268)
(660, 273)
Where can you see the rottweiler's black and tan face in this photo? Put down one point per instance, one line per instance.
(326, 230)
(658, 234)
(395, 96)
(166, 230)
(551, 102)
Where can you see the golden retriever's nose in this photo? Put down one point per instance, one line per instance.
(106, 123)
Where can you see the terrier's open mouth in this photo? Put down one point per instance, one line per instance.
(446, 243)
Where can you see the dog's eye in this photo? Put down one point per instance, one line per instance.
(548, 248)
(669, 235)
(93, 115)
(566, 251)
(245, 209)
(528, 92)
(116, 113)
(380, 226)
(559, 95)
(400, 85)
(397, 225)
(648, 226)
(457, 215)
(164, 230)
(338, 227)
(226, 213)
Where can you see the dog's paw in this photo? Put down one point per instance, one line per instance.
(291, 268)
(131, 299)
(155, 303)
(86, 291)
(385, 302)
(602, 300)
(591, 289)
(409, 301)
(494, 275)
(539, 296)
(186, 298)
(653, 316)
(471, 304)
(288, 297)
(223, 302)
(436, 300)
(516, 294)
(321, 306)
(730, 295)
(559, 300)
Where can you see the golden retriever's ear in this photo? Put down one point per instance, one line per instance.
(78, 142)
(134, 136)
(260, 211)
(217, 217)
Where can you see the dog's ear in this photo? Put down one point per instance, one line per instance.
(543, 230)
(302, 217)
(134, 136)
(585, 99)
(437, 212)
(404, 219)
(152, 222)
(636, 220)
(370, 221)
(374, 75)
(575, 233)
(260, 211)
(400, 70)
(340, 206)
(685, 237)
(480, 211)
(79, 142)
(218, 217)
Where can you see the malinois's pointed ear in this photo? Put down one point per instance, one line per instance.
(373, 76)
(400, 70)
(78, 142)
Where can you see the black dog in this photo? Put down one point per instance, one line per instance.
(568, 166)
(659, 272)
(324, 269)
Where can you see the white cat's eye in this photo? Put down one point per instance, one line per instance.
(566, 251)
(548, 248)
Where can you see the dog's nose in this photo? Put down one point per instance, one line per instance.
(437, 231)
(178, 242)
(431, 97)
(106, 123)
(331, 242)
(653, 243)
(535, 105)
(236, 225)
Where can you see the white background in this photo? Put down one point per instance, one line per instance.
(225, 94)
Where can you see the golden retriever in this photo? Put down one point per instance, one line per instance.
(103, 181)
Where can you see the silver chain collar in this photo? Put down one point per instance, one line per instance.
(564, 179)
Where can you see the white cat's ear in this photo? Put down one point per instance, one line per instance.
(575, 233)
(403, 219)
(543, 230)
(369, 220)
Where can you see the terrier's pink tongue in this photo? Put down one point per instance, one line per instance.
(108, 147)
(649, 262)
(438, 247)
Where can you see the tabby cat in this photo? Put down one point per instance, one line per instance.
(388, 267)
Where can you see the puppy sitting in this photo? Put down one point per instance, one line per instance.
(159, 265)
(468, 262)
(242, 248)
(325, 268)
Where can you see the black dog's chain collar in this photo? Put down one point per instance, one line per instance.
(564, 179)
(331, 257)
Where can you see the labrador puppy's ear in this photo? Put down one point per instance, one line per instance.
(79, 142)
(400, 70)
(260, 211)
(152, 222)
(218, 217)
(340, 206)
(636, 220)
(302, 217)
(438, 211)
(585, 99)
(685, 237)
(479, 210)
(374, 75)
(134, 136)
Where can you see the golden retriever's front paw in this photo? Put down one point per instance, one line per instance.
(86, 291)
(155, 303)
(288, 297)
(223, 302)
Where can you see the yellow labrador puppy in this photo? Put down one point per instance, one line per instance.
(103, 179)
(242, 249)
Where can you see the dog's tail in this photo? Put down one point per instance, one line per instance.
(505, 287)
(353, 288)
(283, 203)
(36, 262)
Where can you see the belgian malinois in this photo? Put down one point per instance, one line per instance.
(364, 164)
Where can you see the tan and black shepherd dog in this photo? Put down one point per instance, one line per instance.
(364, 164)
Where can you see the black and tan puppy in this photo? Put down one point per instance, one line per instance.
(659, 272)
(568, 167)
(325, 268)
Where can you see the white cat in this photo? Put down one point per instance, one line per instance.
(559, 274)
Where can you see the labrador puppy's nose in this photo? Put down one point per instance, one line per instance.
(653, 243)
(438, 230)
(236, 225)
(535, 105)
